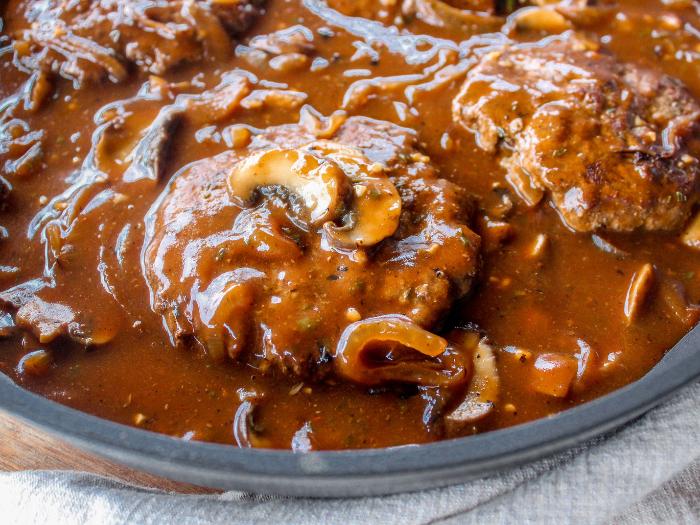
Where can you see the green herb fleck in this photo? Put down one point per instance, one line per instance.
(358, 286)
(306, 324)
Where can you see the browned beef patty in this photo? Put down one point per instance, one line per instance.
(88, 40)
(608, 141)
(234, 277)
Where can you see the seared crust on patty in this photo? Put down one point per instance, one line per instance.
(608, 141)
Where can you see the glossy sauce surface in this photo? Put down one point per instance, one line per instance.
(564, 304)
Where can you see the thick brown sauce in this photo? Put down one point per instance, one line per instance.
(576, 292)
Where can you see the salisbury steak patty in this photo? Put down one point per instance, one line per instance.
(87, 40)
(268, 252)
(607, 140)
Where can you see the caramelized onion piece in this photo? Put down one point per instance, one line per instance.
(149, 153)
(482, 393)
(36, 363)
(224, 310)
(320, 126)
(320, 184)
(520, 182)
(7, 325)
(93, 336)
(543, 19)
(554, 374)
(582, 13)
(395, 336)
(673, 295)
(246, 429)
(441, 14)
(50, 320)
(37, 90)
(538, 248)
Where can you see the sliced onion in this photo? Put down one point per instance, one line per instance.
(245, 432)
(396, 333)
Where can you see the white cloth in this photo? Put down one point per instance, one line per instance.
(647, 472)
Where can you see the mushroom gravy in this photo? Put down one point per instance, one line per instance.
(341, 225)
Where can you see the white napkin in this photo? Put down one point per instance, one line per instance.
(647, 472)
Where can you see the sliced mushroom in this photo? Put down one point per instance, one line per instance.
(131, 145)
(608, 247)
(388, 348)
(482, 393)
(375, 205)
(319, 183)
(374, 217)
(326, 175)
(638, 292)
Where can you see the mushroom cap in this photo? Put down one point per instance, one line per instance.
(320, 183)
(326, 176)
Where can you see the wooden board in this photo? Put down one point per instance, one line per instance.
(23, 447)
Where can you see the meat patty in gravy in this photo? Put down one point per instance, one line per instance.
(608, 141)
(88, 40)
(284, 264)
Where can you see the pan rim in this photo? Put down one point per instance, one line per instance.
(359, 472)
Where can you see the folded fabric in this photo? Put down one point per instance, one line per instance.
(646, 472)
